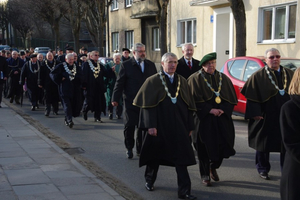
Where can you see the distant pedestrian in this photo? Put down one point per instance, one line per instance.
(3, 75)
(125, 54)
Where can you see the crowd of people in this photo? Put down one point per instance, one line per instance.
(187, 101)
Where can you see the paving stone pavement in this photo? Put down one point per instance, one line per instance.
(33, 167)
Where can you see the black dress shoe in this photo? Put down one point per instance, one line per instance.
(214, 175)
(47, 113)
(264, 175)
(32, 108)
(187, 196)
(110, 116)
(71, 124)
(98, 120)
(129, 154)
(119, 117)
(84, 115)
(206, 183)
(66, 123)
(149, 186)
(55, 113)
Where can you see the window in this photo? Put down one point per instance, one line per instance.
(251, 67)
(114, 5)
(186, 31)
(155, 35)
(115, 41)
(129, 39)
(278, 24)
(128, 3)
(237, 68)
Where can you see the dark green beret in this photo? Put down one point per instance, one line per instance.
(208, 57)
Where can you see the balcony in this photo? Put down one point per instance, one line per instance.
(144, 8)
(208, 2)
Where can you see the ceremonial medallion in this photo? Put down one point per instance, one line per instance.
(218, 100)
(174, 100)
(281, 92)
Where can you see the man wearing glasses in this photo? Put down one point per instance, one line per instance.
(131, 77)
(266, 91)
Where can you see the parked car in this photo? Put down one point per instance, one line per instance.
(11, 49)
(3, 47)
(105, 60)
(239, 69)
(42, 50)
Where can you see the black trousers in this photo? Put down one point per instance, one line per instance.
(119, 109)
(129, 138)
(205, 164)
(183, 177)
(67, 106)
(1, 91)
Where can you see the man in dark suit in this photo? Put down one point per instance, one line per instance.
(132, 75)
(187, 65)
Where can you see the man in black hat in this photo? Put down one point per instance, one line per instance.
(215, 98)
(125, 54)
(14, 90)
(23, 56)
(83, 52)
(69, 49)
(30, 72)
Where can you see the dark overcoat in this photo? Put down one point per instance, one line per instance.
(128, 83)
(14, 88)
(68, 88)
(290, 130)
(184, 70)
(3, 68)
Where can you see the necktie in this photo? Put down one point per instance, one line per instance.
(171, 79)
(140, 66)
(189, 64)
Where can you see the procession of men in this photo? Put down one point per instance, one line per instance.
(186, 102)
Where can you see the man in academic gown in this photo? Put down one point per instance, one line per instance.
(68, 77)
(187, 65)
(266, 91)
(132, 75)
(215, 98)
(94, 88)
(167, 110)
(51, 95)
(30, 72)
(15, 65)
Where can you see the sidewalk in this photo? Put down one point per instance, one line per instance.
(33, 167)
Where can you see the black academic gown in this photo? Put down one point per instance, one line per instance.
(70, 89)
(263, 99)
(95, 88)
(14, 88)
(51, 95)
(30, 71)
(290, 129)
(217, 133)
(171, 146)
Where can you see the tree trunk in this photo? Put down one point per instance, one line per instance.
(56, 34)
(238, 10)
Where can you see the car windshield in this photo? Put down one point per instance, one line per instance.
(292, 64)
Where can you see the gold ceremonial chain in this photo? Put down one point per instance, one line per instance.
(35, 70)
(72, 72)
(281, 92)
(173, 99)
(96, 70)
(217, 99)
(51, 69)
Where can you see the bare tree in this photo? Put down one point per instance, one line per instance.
(50, 12)
(95, 22)
(76, 12)
(19, 19)
(162, 21)
(238, 10)
(3, 21)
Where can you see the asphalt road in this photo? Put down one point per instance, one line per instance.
(100, 147)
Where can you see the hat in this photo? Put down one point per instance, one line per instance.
(33, 55)
(208, 57)
(58, 49)
(84, 49)
(126, 49)
(22, 53)
(70, 48)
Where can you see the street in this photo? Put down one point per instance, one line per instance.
(100, 148)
